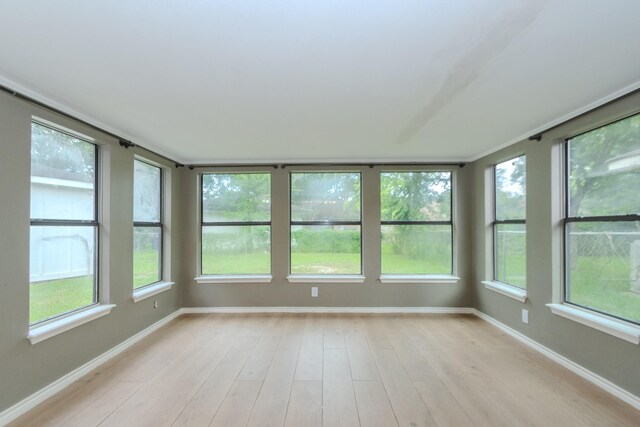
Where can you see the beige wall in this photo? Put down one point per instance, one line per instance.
(608, 356)
(281, 293)
(26, 368)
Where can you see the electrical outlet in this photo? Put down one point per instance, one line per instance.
(314, 292)
(155, 304)
(525, 316)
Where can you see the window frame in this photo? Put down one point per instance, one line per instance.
(241, 277)
(328, 278)
(159, 225)
(568, 219)
(495, 222)
(421, 278)
(94, 223)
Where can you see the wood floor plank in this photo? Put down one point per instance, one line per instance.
(475, 404)
(271, 406)
(363, 367)
(203, 406)
(333, 334)
(374, 408)
(406, 402)
(259, 361)
(309, 366)
(338, 399)
(236, 407)
(305, 404)
(103, 406)
(444, 408)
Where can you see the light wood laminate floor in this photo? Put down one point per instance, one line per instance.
(331, 370)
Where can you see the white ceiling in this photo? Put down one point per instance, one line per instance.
(332, 80)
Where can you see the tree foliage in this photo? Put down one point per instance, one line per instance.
(325, 196)
(604, 166)
(57, 150)
(236, 197)
(511, 189)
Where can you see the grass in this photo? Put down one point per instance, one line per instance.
(613, 295)
(512, 270)
(402, 264)
(589, 288)
(146, 268)
(55, 297)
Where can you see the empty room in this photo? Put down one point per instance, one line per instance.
(320, 213)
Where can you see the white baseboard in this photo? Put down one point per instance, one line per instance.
(594, 378)
(41, 395)
(423, 310)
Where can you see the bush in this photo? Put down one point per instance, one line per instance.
(326, 240)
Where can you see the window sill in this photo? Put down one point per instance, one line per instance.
(618, 328)
(325, 278)
(234, 278)
(419, 278)
(55, 327)
(506, 290)
(150, 290)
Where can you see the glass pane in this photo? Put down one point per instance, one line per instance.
(511, 254)
(604, 267)
(61, 270)
(604, 167)
(333, 196)
(236, 197)
(236, 249)
(415, 196)
(147, 255)
(146, 192)
(416, 249)
(62, 175)
(511, 189)
(325, 249)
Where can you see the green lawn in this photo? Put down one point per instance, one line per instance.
(251, 263)
(613, 295)
(325, 263)
(55, 297)
(589, 287)
(401, 264)
(146, 268)
(512, 270)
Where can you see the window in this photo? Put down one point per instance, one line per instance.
(602, 220)
(64, 223)
(147, 224)
(416, 225)
(325, 223)
(509, 225)
(236, 224)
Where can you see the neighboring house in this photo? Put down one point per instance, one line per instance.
(60, 252)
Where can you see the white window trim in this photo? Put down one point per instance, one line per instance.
(325, 278)
(234, 278)
(47, 330)
(609, 325)
(510, 291)
(419, 278)
(145, 292)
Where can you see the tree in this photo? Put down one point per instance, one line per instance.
(596, 188)
(238, 197)
(54, 149)
(414, 196)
